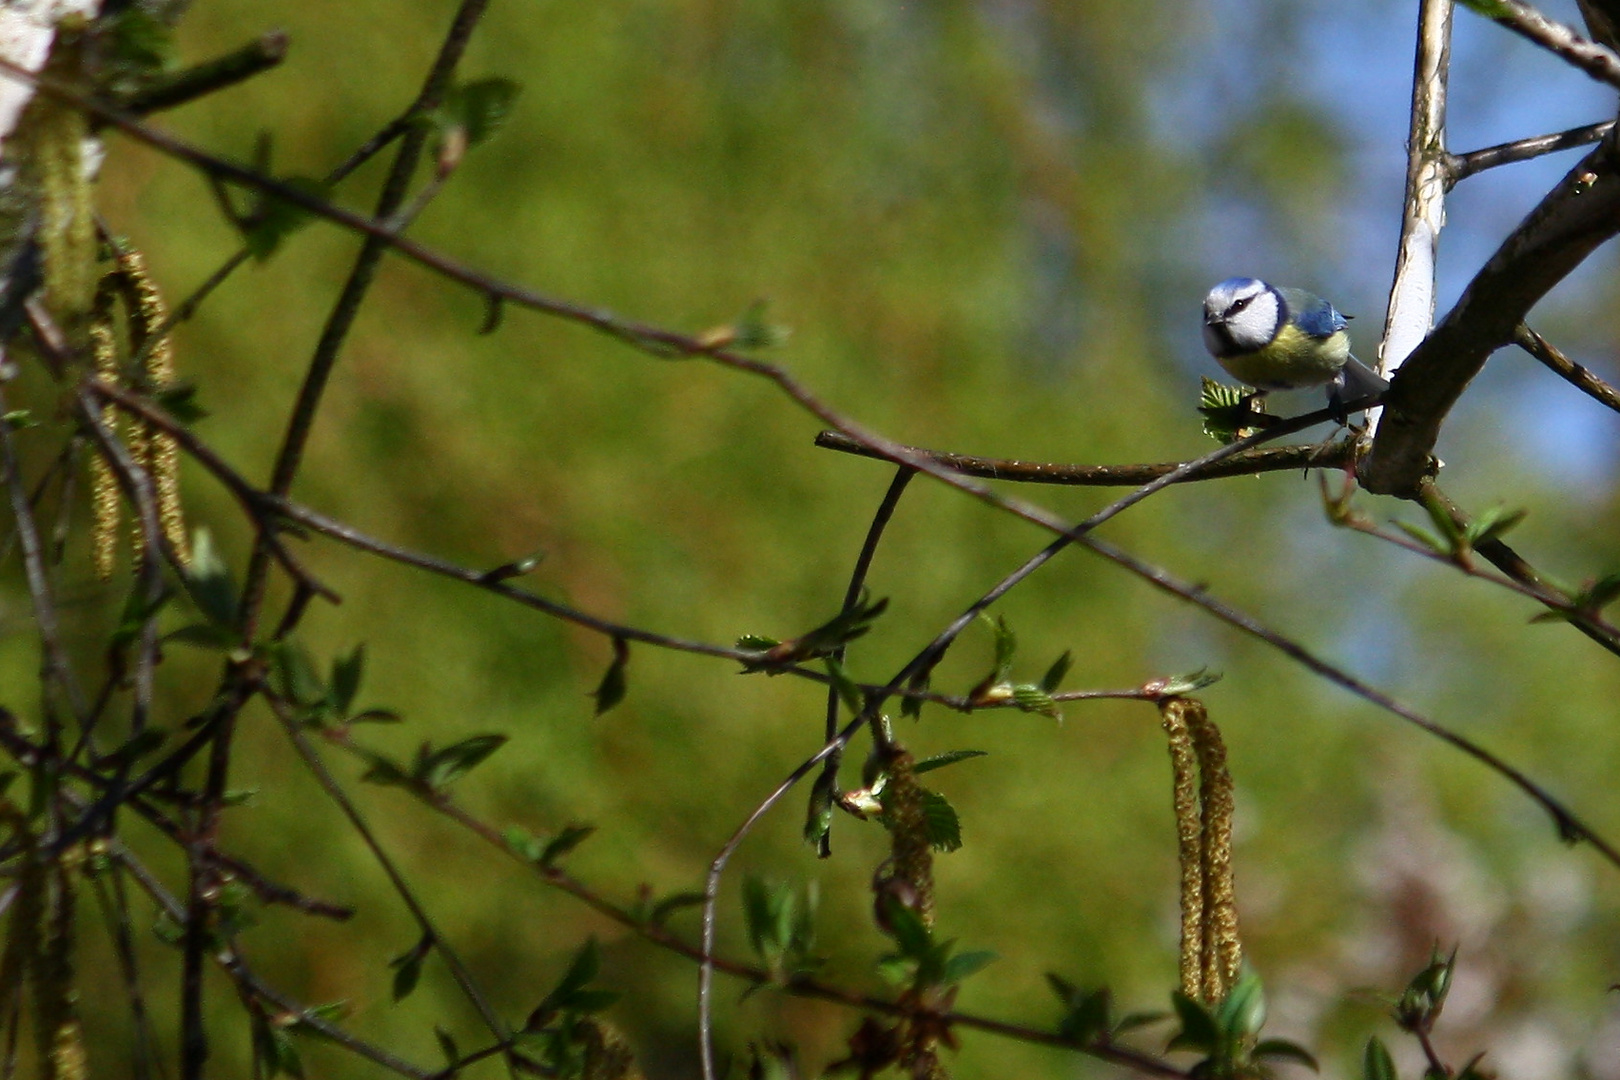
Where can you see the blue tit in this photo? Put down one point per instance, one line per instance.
(1284, 339)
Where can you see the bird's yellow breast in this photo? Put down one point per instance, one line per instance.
(1291, 359)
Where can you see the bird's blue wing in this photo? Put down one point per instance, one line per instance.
(1312, 314)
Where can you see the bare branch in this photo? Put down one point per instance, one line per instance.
(1564, 41)
(1411, 297)
(261, 54)
(1460, 167)
(1575, 217)
(1568, 370)
(1260, 460)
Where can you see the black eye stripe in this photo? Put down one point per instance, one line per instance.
(1239, 304)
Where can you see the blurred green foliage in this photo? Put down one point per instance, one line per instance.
(975, 227)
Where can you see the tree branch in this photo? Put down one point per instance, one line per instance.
(1576, 216)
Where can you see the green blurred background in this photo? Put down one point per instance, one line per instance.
(989, 226)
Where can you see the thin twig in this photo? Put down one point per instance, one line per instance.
(1516, 575)
(266, 511)
(249, 983)
(261, 54)
(334, 791)
(347, 306)
(57, 668)
(800, 986)
(1460, 167)
(852, 596)
(1259, 460)
(1562, 41)
(1570, 827)
(1575, 374)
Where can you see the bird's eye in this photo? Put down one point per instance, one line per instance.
(1239, 304)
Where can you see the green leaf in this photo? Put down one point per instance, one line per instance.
(940, 823)
(138, 746)
(849, 624)
(179, 400)
(408, 967)
(572, 993)
(1283, 1050)
(273, 1049)
(138, 611)
(753, 331)
(610, 691)
(1190, 683)
(911, 935)
(1231, 411)
(1491, 524)
(1030, 698)
(818, 812)
(447, 1047)
(205, 636)
(494, 313)
(277, 217)
(133, 45)
(1425, 537)
(1088, 1016)
(1054, 674)
(950, 757)
(208, 582)
(1600, 594)
(1242, 1013)
(1133, 1020)
(912, 706)
(1376, 1064)
(767, 914)
(480, 107)
(1006, 646)
(1444, 524)
(1423, 999)
(346, 674)
(523, 843)
(585, 965)
(295, 675)
(331, 1012)
(570, 838)
(384, 771)
(848, 692)
(1198, 1028)
(1218, 395)
(964, 965)
(441, 768)
(376, 716)
(167, 930)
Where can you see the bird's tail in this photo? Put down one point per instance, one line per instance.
(1353, 382)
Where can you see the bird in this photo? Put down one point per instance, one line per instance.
(1285, 339)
